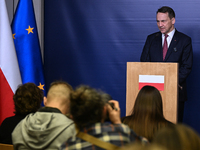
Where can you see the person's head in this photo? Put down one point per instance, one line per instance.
(87, 106)
(165, 17)
(27, 99)
(148, 103)
(147, 115)
(178, 137)
(140, 146)
(58, 96)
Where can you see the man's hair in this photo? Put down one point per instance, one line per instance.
(166, 9)
(59, 89)
(27, 99)
(60, 82)
(86, 106)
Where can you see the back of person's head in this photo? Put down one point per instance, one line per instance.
(140, 146)
(27, 99)
(147, 115)
(86, 106)
(166, 9)
(178, 137)
(59, 95)
(148, 103)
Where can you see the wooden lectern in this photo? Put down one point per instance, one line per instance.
(170, 92)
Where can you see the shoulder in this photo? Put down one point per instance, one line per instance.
(170, 124)
(11, 121)
(107, 127)
(119, 129)
(7, 120)
(166, 123)
(178, 34)
(12, 118)
(48, 119)
(155, 34)
(126, 118)
(122, 128)
(53, 117)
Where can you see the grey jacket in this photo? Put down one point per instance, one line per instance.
(45, 129)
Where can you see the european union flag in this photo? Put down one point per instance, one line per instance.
(27, 45)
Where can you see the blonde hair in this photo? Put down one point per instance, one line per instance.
(178, 137)
(60, 91)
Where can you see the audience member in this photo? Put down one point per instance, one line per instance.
(139, 146)
(89, 110)
(27, 99)
(147, 115)
(178, 137)
(48, 128)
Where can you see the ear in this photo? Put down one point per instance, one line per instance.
(45, 101)
(173, 20)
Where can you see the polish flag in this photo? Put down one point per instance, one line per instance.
(9, 70)
(152, 80)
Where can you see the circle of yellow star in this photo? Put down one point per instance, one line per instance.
(30, 29)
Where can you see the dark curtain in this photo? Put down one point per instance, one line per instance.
(90, 41)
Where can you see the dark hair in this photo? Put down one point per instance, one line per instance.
(86, 106)
(147, 115)
(178, 137)
(27, 99)
(166, 9)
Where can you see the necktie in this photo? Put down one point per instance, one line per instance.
(165, 47)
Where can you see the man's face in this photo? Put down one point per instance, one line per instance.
(164, 23)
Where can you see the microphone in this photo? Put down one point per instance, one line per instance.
(157, 34)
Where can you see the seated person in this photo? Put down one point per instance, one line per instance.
(49, 127)
(89, 109)
(27, 99)
(139, 146)
(178, 137)
(147, 115)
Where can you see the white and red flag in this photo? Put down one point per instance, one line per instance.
(152, 80)
(9, 70)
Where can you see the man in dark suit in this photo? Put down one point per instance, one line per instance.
(178, 48)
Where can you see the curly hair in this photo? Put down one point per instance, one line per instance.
(27, 99)
(86, 106)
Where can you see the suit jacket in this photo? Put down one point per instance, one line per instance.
(179, 51)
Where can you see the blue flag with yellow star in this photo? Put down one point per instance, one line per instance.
(27, 45)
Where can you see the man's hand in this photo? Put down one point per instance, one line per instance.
(114, 114)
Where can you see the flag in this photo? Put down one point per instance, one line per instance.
(9, 70)
(153, 80)
(27, 45)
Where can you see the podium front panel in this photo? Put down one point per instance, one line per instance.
(170, 92)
